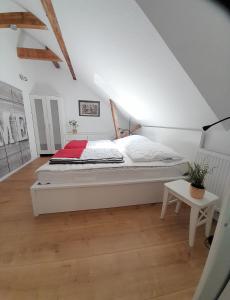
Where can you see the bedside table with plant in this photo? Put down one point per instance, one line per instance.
(202, 208)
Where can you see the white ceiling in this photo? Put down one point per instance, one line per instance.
(117, 51)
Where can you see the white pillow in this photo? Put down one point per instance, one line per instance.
(142, 149)
(130, 140)
(148, 151)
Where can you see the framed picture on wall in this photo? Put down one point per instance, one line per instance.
(89, 108)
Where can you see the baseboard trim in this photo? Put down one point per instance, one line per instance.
(16, 170)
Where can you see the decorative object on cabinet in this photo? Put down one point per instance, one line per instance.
(74, 124)
(90, 136)
(14, 139)
(89, 108)
(47, 120)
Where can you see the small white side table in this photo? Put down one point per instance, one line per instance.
(202, 210)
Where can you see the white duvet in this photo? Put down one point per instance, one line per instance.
(135, 156)
(100, 153)
(101, 144)
(97, 150)
(128, 163)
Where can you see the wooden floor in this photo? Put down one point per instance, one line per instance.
(121, 253)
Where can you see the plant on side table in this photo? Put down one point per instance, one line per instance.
(196, 176)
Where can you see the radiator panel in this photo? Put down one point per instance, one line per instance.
(216, 181)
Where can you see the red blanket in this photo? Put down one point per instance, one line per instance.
(68, 153)
(76, 144)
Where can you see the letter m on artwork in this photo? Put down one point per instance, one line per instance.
(6, 130)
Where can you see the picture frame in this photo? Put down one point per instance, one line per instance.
(89, 108)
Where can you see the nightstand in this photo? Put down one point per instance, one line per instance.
(202, 210)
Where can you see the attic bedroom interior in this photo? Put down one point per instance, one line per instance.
(114, 150)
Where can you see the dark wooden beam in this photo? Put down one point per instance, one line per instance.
(135, 128)
(48, 7)
(21, 20)
(55, 63)
(37, 54)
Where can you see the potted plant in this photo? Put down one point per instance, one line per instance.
(197, 174)
(74, 124)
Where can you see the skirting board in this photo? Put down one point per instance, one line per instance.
(16, 170)
(62, 198)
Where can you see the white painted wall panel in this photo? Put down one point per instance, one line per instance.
(218, 140)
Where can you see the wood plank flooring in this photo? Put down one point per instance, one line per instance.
(110, 254)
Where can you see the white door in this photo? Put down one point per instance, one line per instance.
(55, 122)
(47, 123)
(41, 129)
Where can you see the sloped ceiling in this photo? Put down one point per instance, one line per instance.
(118, 52)
(197, 32)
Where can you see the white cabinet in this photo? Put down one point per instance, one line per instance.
(47, 119)
(68, 136)
(90, 136)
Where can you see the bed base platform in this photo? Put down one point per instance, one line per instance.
(54, 198)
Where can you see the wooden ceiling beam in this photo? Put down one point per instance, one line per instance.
(55, 63)
(21, 20)
(37, 54)
(135, 128)
(115, 119)
(49, 10)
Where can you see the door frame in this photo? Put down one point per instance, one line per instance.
(216, 271)
(48, 122)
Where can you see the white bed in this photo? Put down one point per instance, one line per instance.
(104, 173)
(72, 187)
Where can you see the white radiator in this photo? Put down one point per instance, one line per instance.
(215, 182)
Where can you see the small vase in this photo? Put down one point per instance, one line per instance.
(196, 192)
(74, 131)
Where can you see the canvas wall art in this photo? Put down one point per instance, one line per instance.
(14, 140)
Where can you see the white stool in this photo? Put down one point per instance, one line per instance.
(202, 210)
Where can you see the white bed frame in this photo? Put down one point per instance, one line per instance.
(53, 198)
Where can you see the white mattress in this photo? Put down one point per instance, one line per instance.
(106, 173)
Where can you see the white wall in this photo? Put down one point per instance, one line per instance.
(218, 140)
(51, 81)
(187, 142)
(58, 83)
(44, 79)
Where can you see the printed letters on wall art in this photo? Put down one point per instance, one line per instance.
(14, 140)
